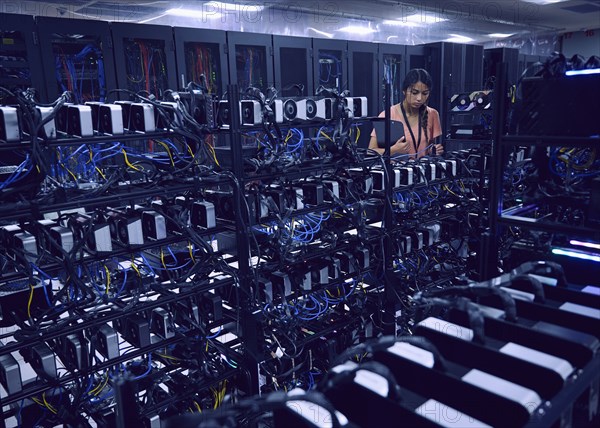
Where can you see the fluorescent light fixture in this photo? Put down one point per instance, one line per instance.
(400, 23)
(500, 35)
(322, 33)
(581, 72)
(424, 18)
(457, 38)
(357, 29)
(593, 245)
(232, 7)
(194, 13)
(544, 1)
(576, 254)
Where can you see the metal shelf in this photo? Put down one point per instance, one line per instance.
(549, 140)
(548, 226)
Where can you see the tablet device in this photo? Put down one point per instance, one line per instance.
(396, 132)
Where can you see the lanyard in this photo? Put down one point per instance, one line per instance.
(416, 145)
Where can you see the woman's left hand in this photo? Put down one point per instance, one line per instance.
(439, 149)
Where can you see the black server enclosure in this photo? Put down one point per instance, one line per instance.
(144, 57)
(363, 82)
(202, 53)
(493, 57)
(77, 56)
(455, 68)
(250, 60)
(293, 66)
(527, 62)
(330, 63)
(20, 63)
(392, 69)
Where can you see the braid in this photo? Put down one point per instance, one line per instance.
(424, 119)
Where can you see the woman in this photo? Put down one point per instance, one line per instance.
(421, 123)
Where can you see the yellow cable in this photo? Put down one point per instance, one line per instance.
(129, 164)
(29, 302)
(136, 269)
(107, 278)
(48, 406)
(101, 173)
(162, 258)
(168, 151)
(212, 149)
(326, 136)
(198, 407)
(191, 248)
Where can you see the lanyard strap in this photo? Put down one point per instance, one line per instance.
(416, 145)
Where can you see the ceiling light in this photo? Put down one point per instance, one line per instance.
(357, 29)
(500, 35)
(322, 33)
(593, 245)
(424, 18)
(544, 1)
(232, 7)
(400, 23)
(576, 254)
(582, 72)
(194, 13)
(457, 38)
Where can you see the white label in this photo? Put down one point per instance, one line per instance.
(560, 366)
(413, 353)
(518, 294)
(448, 328)
(581, 310)
(490, 312)
(372, 381)
(511, 391)
(544, 279)
(590, 289)
(447, 416)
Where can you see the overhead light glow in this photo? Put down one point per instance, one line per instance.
(400, 23)
(457, 38)
(424, 18)
(593, 245)
(194, 13)
(357, 29)
(544, 1)
(500, 35)
(576, 254)
(232, 7)
(580, 72)
(322, 33)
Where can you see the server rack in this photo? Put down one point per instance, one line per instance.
(492, 57)
(392, 68)
(20, 65)
(250, 60)
(363, 72)
(78, 58)
(293, 67)
(144, 57)
(330, 63)
(454, 68)
(202, 52)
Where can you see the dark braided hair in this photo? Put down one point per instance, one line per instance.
(412, 78)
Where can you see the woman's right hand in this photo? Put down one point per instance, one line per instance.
(400, 147)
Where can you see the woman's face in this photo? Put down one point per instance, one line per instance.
(416, 95)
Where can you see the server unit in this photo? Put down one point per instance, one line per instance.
(201, 52)
(145, 58)
(250, 60)
(491, 59)
(454, 68)
(330, 63)
(363, 72)
(293, 66)
(20, 64)
(391, 68)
